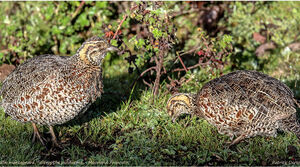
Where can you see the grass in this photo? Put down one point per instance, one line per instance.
(131, 127)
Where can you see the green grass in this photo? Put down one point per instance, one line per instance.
(131, 127)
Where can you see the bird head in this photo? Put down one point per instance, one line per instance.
(181, 103)
(94, 49)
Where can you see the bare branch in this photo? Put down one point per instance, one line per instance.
(147, 84)
(124, 18)
(78, 9)
(182, 63)
(147, 70)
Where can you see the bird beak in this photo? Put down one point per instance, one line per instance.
(112, 48)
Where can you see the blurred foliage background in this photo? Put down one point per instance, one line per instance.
(264, 35)
(167, 47)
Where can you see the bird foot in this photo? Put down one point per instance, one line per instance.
(55, 144)
(36, 136)
(237, 140)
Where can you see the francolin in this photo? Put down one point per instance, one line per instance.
(51, 90)
(242, 104)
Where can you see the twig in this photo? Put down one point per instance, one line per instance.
(165, 71)
(187, 81)
(149, 69)
(150, 86)
(120, 24)
(181, 13)
(185, 53)
(78, 8)
(190, 51)
(189, 68)
(144, 72)
(182, 63)
(4, 50)
(159, 64)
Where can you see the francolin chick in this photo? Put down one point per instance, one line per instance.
(51, 90)
(242, 104)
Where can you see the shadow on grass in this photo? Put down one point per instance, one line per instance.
(117, 91)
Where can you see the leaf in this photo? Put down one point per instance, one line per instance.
(294, 46)
(65, 21)
(141, 43)
(263, 48)
(101, 5)
(1, 55)
(55, 30)
(83, 20)
(169, 151)
(156, 33)
(114, 42)
(92, 11)
(259, 38)
(225, 41)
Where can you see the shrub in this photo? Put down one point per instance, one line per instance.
(265, 36)
(33, 28)
(154, 41)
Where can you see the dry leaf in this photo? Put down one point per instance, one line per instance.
(294, 46)
(5, 70)
(259, 38)
(263, 48)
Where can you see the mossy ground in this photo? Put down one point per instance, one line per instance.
(131, 127)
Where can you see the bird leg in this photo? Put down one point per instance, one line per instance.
(54, 140)
(238, 139)
(36, 134)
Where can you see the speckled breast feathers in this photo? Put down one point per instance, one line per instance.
(51, 89)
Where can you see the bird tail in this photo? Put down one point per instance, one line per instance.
(297, 102)
(291, 124)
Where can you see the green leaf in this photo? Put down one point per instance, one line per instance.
(139, 17)
(19, 34)
(157, 33)
(114, 42)
(169, 151)
(92, 11)
(83, 20)
(101, 5)
(55, 30)
(65, 21)
(1, 56)
(141, 43)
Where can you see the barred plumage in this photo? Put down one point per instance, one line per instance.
(50, 89)
(243, 104)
